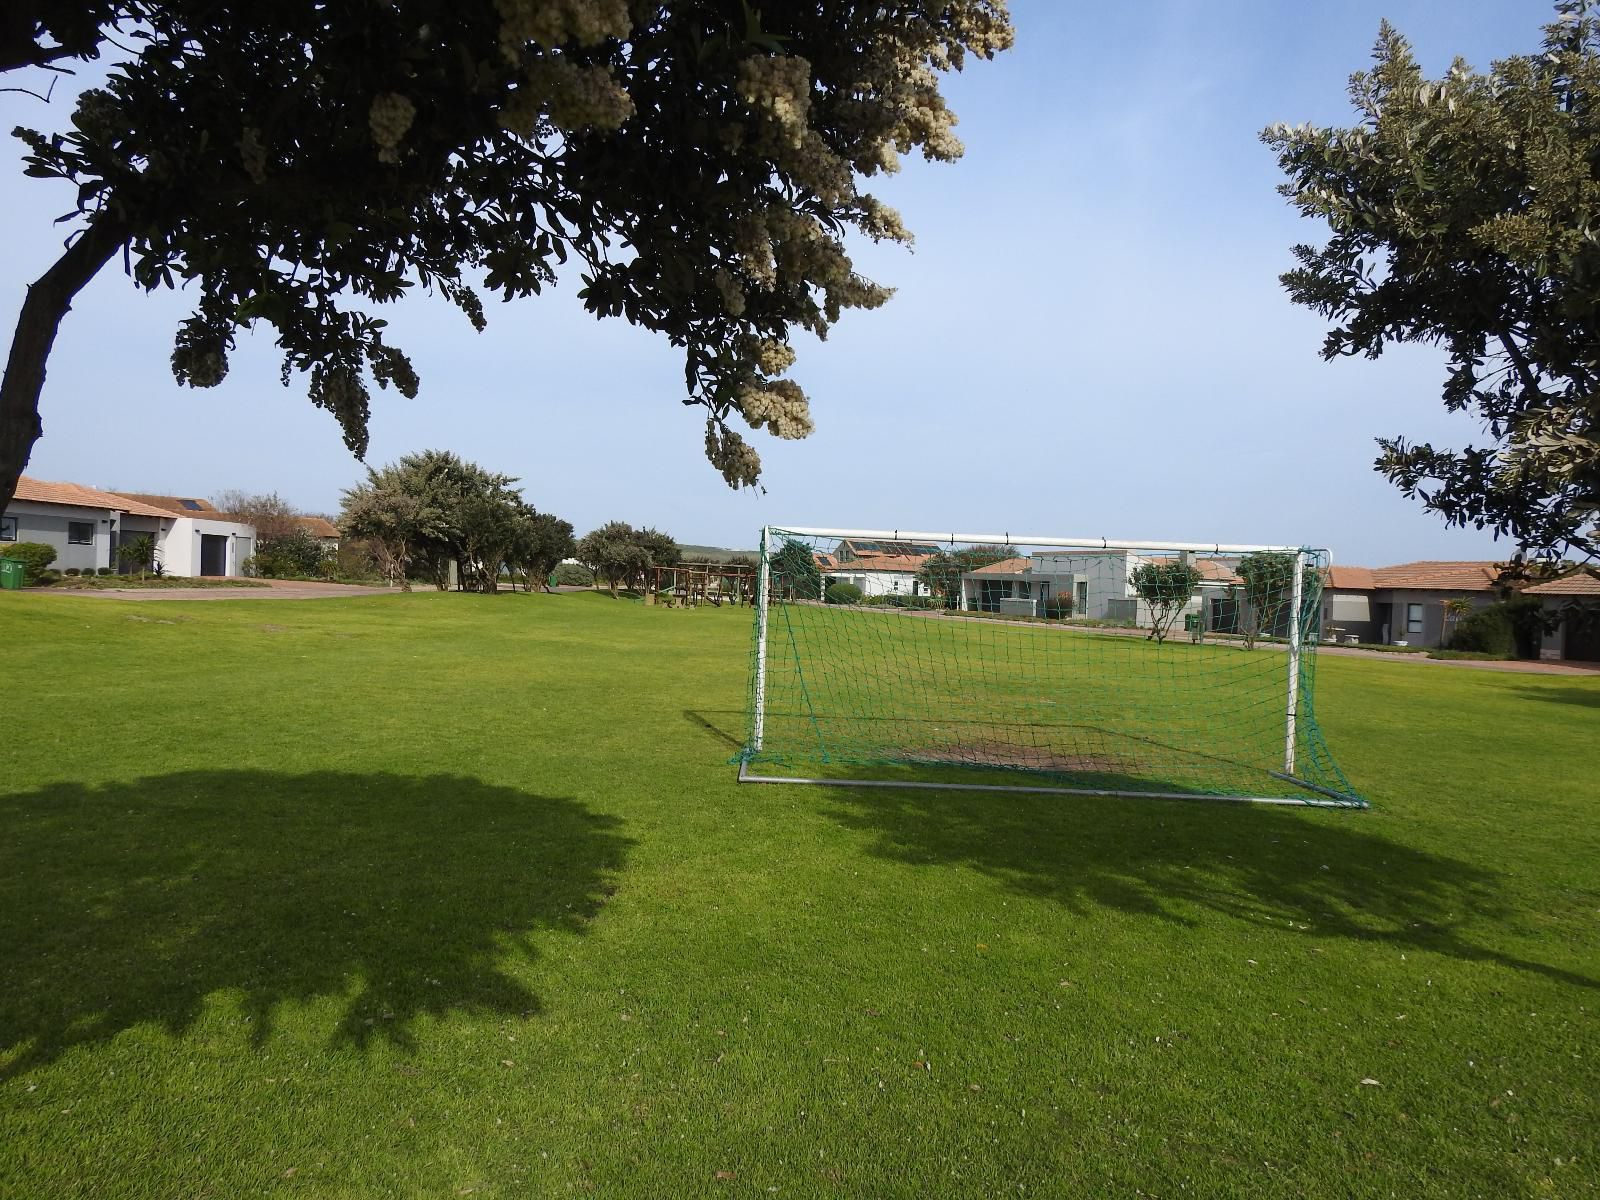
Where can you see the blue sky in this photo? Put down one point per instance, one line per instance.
(1088, 338)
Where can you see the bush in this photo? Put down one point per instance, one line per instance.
(1505, 628)
(296, 555)
(74, 571)
(103, 571)
(573, 575)
(1058, 608)
(843, 593)
(35, 556)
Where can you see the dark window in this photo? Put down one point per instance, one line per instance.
(1413, 618)
(8, 529)
(80, 533)
(192, 505)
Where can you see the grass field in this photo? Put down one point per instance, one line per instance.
(448, 895)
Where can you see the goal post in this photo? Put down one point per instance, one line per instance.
(1024, 662)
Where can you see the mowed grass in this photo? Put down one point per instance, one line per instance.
(447, 895)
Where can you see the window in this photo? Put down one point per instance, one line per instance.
(80, 533)
(8, 529)
(1413, 618)
(191, 505)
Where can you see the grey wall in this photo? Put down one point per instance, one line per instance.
(47, 523)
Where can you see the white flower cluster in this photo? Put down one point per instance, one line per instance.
(882, 223)
(728, 287)
(767, 355)
(253, 155)
(551, 23)
(778, 88)
(779, 405)
(198, 366)
(390, 119)
(573, 97)
(732, 455)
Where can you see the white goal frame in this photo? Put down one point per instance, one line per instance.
(1302, 555)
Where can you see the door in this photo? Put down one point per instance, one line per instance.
(213, 554)
(1582, 640)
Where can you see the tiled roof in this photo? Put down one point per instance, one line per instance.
(825, 561)
(1350, 579)
(1006, 566)
(1217, 570)
(40, 491)
(911, 563)
(178, 506)
(1583, 582)
(318, 526)
(1441, 576)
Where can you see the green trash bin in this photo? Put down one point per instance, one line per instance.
(11, 573)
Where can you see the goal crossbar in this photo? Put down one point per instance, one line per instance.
(1021, 539)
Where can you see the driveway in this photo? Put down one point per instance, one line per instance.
(276, 589)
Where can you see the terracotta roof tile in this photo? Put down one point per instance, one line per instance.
(40, 491)
(1582, 582)
(884, 562)
(1351, 579)
(178, 506)
(1006, 566)
(1441, 576)
(317, 526)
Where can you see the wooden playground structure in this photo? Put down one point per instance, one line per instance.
(692, 584)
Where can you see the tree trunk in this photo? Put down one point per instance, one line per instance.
(48, 300)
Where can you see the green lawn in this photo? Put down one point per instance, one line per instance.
(453, 895)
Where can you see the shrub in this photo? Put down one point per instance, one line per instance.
(35, 556)
(1505, 628)
(70, 571)
(1058, 607)
(103, 571)
(297, 554)
(843, 593)
(573, 575)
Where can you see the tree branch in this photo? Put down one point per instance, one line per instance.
(49, 299)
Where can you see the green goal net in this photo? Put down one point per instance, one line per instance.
(995, 661)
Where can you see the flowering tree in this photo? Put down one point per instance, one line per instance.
(295, 163)
(1461, 212)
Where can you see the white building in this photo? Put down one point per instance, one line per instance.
(86, 526)
(1099, 584)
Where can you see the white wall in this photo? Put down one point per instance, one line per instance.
(877, 583)
(47, 524)
(182, 550)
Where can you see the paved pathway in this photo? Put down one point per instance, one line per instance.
(276, 589)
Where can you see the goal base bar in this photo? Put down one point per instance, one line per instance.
(1335, 800)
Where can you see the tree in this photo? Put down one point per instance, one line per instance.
(542, 542)
(699, 162)
(270, 514)
(138, 553)
(795, 573)
(1268, 578)
(1461, 213)
(1167, 588)
(392, 521)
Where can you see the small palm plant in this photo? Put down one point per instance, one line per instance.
(138, 554)
(1454, 609)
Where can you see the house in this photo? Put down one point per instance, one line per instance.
(853, 549)
(1403, 604)
(1574, 603)
(84, 525)
(201, 541)
(881, 574)
(324, 530)
(1099, 584)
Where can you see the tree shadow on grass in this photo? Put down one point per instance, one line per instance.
(401, 897)
(1588, 697)
(1320, 876)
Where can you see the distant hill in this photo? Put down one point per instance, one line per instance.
(712, 553)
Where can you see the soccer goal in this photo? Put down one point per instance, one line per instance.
(1005, 662)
